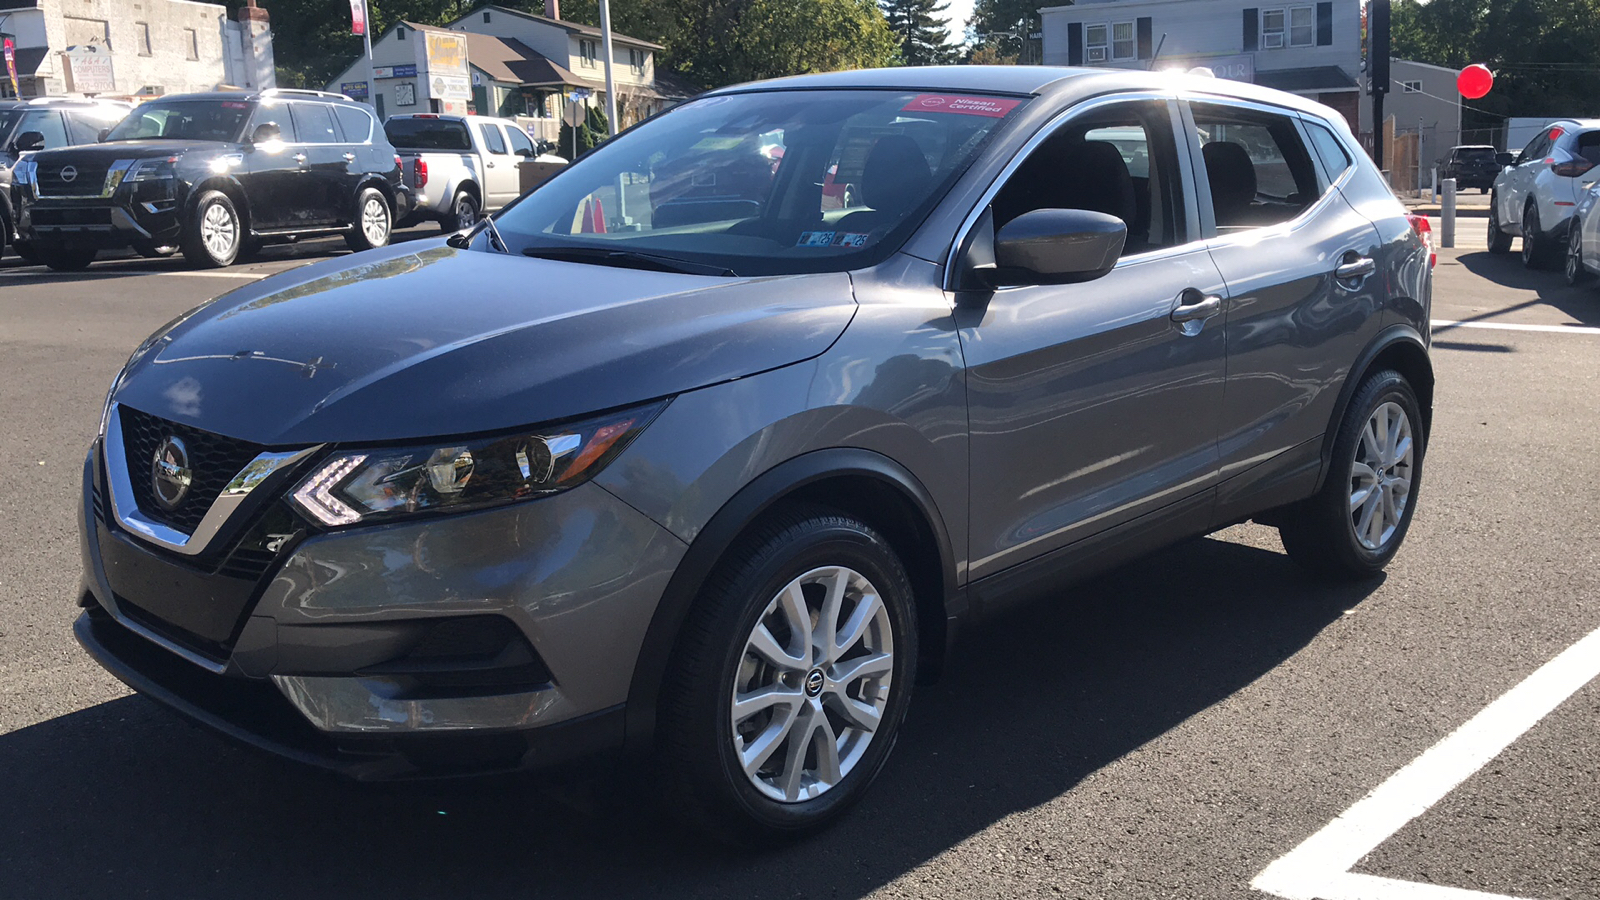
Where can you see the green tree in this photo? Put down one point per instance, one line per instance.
(917, 24)
(591, 132)
(1004, 24)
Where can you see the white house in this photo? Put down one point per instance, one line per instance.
(134, 48)
(514, 64)
(1308, 48)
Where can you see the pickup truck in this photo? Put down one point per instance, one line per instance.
(458, 167)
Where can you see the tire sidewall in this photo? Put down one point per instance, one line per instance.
(463, 198)
(1384, 387)
(1530, 236)
(838, 542)
(1575, 271)
(195, 248)
(358, 231)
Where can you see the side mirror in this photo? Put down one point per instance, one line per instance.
(104, 133)
(266, 131)
(28, 140)
(1504, 159)
(1056, 246)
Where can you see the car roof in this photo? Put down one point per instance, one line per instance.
(1031, 80)
(271, 94)
(55, 102)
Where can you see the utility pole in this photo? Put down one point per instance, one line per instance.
(611, 84)
(1378, 71)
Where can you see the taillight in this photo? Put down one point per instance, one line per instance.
(1572, 168)
(1424, 230)
(420, 172)
(398, 164)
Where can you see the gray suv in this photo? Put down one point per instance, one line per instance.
(717, 488)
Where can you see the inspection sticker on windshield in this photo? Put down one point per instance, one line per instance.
(850, 239)
(815, 239)
(962, 105)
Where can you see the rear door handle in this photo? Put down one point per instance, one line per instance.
(349, 157)
(1355, 266)
(299, 157)
(1193, 306)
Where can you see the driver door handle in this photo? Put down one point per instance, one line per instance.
(1193, 305)
(1355, 266)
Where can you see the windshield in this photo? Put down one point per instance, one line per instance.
(184, 120)
(427, 134)
(765, 183)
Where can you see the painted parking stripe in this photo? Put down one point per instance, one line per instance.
(1319, 869)
(1439, 324)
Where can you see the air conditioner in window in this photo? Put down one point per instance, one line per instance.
(1272, 41)
(1097, 54)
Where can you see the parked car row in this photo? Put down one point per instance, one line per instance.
(1537, 194)
(219, 175)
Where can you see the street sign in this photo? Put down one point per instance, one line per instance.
(574, 114)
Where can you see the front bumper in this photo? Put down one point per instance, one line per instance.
(107, 223)
(331, 653)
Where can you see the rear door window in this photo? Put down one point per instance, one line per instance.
(314, 123)
(492, 141)
(1259, 171)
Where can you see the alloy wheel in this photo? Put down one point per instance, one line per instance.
(812, 685)
(1380, 476)
(1575, 270)
(466, 213)
(219, 230)
(375, 221)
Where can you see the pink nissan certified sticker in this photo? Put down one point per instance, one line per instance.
(962, 105)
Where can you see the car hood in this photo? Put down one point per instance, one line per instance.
(423, 340)
(115, 150)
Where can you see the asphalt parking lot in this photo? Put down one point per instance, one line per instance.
(1172, 729)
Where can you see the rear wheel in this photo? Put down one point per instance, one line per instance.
(373, 221)
(463, 213)
(65, 259)
(1576, 273)
(1353, 526)
(215, 232)
(1499, 241)
(790, 680)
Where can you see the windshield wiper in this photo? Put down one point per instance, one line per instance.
(628, 259)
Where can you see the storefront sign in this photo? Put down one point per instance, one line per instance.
(409, 70)
(89, 70)
(450, 87)
(11, 65)
(355, 90)
(443, 54)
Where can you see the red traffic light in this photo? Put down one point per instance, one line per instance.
(1474, 81)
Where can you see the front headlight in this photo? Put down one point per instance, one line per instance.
(22, 172)
(386, 483)
(152, 169)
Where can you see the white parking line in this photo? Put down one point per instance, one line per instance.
(1509, 326)
(1319, 869)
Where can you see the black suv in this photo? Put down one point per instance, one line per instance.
(1472, 166)
(58, 122)
(216, 175)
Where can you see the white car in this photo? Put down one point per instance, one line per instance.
(1536, 195)
(459, 167)
(1583, 238)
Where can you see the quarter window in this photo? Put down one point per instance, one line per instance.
(1259, 171)
(1335, 159)
(357, 124)
(1121, 160)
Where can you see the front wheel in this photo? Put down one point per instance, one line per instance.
(1499, 241)
(373, 221)
(1576, 273)
(1353, 526)
(214, 233)
(791, 678)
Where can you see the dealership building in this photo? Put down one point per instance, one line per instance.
(132, 48)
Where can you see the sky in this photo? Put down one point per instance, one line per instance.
(957, 15)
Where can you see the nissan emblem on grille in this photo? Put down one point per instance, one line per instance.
(169, 473)
(69, 173)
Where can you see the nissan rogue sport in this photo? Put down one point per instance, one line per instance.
(719, 490)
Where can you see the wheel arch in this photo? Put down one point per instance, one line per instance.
(1398, 347)
(371, 180)
(859, 482)
(229, 186)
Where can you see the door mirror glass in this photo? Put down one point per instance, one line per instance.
(266, 131)
(28, 140)
(1057, 246)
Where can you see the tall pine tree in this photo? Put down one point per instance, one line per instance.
(919, 28)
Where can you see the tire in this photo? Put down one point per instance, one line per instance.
(214, 233)
(1483, 190)
(798, 553)
(464, 213)
(1535, 246)
(65, 259)
(1323, 533)
(1499, 241)
(374, 221)
(1575, 272)
(150, 250)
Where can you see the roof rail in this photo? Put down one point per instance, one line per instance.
(86, 101)
(303, 92)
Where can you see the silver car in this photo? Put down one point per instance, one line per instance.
(1583, 239)
(1535, 196)
(714, 477)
